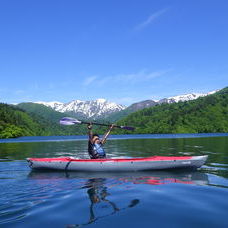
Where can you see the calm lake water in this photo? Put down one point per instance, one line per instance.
(137, 199)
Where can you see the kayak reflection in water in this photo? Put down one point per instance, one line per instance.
(95, 144)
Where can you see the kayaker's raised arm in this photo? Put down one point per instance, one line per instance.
(90, 133)
(103, 141)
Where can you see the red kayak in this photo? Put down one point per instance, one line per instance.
(117, 164)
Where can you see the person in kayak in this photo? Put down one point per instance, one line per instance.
(95, 144)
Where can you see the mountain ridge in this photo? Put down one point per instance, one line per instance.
(206, 114)
(85, 109)
(103, 109)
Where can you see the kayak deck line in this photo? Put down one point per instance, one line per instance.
(118, 164)
(153, 158)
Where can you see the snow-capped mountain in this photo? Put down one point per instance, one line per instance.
(52, 104)
(101, 108)
(85, 109)
(185, 97)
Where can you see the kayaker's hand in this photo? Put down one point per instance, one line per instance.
(89, 126)
(112, 126)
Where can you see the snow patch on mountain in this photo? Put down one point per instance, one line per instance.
(52, 104)
(185, 97)
(101, 108)
(87, 109)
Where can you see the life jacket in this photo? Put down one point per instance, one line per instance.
(98, 149)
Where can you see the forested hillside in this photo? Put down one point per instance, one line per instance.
(51, 116)
(42, 111)
(206, 114)
(15, 122)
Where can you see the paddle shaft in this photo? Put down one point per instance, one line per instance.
(107, 125)
(71, 121)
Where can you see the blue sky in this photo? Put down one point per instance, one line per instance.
(122, 50)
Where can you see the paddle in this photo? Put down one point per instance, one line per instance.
(72, 121)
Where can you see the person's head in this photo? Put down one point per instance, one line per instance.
(96, 138)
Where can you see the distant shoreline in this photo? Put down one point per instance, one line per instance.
(27, 139)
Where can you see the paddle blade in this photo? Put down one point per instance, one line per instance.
(69, 121)
(127, 128)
